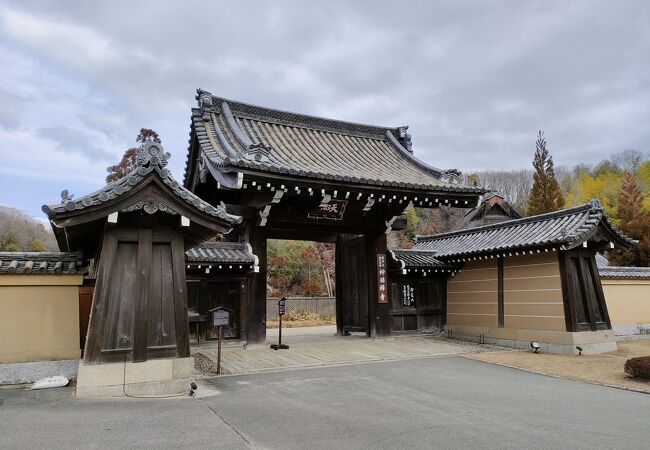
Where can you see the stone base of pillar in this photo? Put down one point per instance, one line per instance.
(153, 378)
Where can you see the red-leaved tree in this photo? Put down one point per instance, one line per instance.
(129, 160)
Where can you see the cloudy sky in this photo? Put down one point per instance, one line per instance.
(473, 80)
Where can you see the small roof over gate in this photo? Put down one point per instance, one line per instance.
(221, 252)
(422, 261)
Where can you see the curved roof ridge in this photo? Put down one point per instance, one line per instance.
(370, 155)
(409, 155)
(151, 158)
(251, 108)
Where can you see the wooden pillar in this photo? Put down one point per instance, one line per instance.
(256, 308)
(378, 313)
(338, 266)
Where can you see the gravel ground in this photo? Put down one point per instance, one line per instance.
(602, 369)
(205, 366)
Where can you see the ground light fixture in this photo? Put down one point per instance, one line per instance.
(535, 346)
(579, 350)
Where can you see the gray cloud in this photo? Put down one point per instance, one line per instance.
(474, 80)
(75, 141)
(10, 105)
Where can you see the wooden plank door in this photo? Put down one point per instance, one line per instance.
(140, 304)
(353, 272)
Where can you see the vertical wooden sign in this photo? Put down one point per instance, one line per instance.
(382, 279)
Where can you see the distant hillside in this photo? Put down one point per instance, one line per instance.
(19, 232)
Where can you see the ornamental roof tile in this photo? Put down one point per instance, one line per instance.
(151, 159)
(41, 263)
(566, 228)
(238, 136)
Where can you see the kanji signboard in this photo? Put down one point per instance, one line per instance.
(332, 210)
(408, 295)
(382, 279)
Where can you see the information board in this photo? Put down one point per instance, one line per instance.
(220, 317)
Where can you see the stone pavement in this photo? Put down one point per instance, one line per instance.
(320, 346)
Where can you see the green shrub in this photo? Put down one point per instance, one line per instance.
(638, 367)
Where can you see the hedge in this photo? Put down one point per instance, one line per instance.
(638, 367)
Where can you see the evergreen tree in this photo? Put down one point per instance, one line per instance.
(634, 220)
(9, 242)
(129, 160)
(546, 195)
(36, 246)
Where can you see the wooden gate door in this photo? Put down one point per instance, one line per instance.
(352, 271)
(140, 305)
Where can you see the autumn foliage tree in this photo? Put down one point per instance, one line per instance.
(299, 268)
(545, 195)
(129, 161)
(634, 220)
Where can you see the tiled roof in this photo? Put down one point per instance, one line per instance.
(221, 252)
(601, 260)
(566, 228)
(417, 258)
(234, 135)
(151, 159)
(40, 263)
(624, 273)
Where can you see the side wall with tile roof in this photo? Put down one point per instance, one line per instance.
(532, 293)
(472, 295)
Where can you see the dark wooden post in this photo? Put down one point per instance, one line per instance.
(339, 285)
(256, 311)
(142, 305)
(378, 313)
(219, 337)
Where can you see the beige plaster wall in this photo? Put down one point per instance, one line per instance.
(472, 295)
(39, 317)
(532, 292)
(628, 301)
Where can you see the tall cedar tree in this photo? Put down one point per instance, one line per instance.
(546, 195)
(128, 161)
(634, 220)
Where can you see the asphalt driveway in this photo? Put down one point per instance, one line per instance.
(445, 402)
